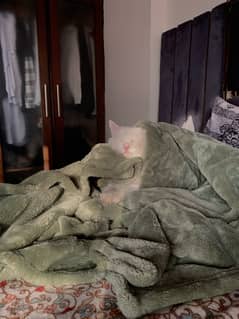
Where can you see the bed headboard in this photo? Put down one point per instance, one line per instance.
(192, 68)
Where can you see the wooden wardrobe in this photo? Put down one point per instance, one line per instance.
(51, 84)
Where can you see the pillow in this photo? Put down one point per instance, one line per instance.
(223, 124)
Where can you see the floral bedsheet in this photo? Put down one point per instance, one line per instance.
(19, 299)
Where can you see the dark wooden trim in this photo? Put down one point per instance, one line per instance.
(1, 166)
(55, 79)
(44, 80)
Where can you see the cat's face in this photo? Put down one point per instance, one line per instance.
(129, 141)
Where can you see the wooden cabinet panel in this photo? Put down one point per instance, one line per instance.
(68, 51)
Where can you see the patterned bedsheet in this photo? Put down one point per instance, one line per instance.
(19, 299)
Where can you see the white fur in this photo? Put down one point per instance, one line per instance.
(188, 124)
(129, 141)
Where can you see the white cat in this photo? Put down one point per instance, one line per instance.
(131, 142)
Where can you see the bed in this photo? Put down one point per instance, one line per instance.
(193, 76)
(20, 299)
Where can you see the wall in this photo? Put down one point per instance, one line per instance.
(132, 33)
(183, 10)
(158, 24)
(127, 49)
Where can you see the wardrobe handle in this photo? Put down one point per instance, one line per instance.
(58, 100)
(46, 100)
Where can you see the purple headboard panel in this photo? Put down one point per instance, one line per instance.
(192, 68)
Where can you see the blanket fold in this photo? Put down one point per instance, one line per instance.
(172, 240)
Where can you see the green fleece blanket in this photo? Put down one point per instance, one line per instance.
(173, 240)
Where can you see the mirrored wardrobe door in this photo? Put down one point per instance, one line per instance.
(20, 95)
(76, 104)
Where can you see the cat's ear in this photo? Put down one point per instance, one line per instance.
(113, 127)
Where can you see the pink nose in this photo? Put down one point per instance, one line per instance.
(126, 147)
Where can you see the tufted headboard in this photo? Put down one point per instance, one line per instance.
(192, 68)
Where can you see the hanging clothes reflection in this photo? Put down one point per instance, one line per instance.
(78, 78)
(21, 133)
